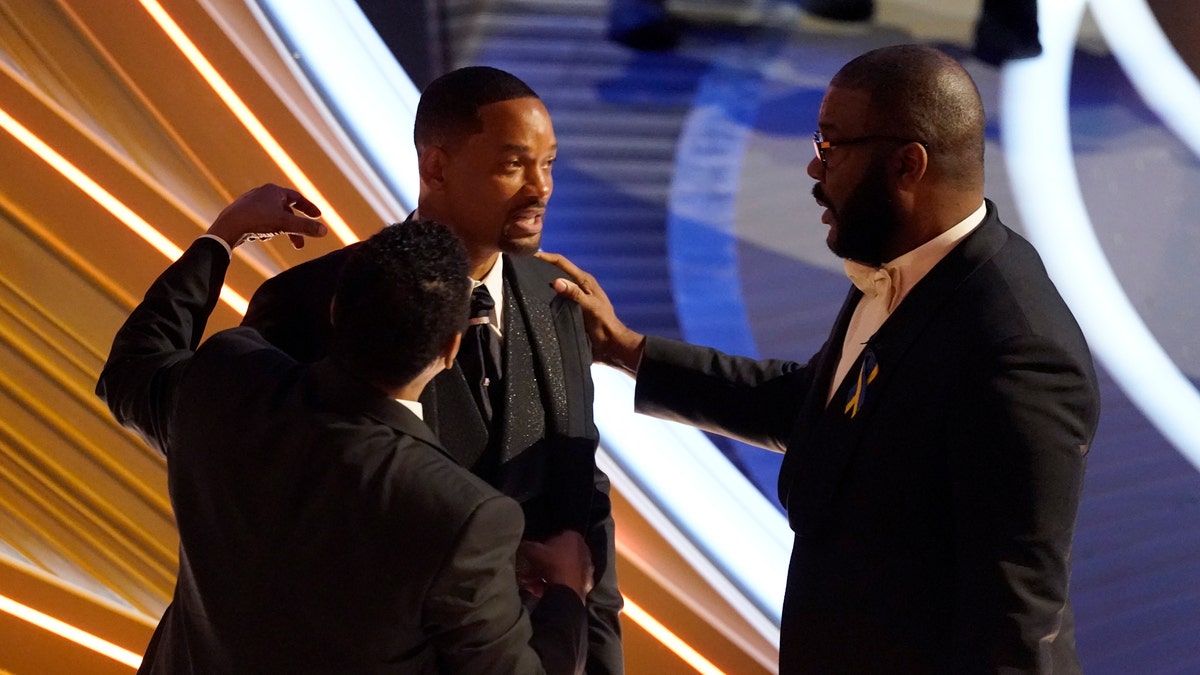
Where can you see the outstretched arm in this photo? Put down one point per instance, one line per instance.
(153, 346)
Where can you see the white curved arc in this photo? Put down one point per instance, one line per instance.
(1156, 70)
(1037, 144)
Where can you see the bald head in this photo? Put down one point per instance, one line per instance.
(920, 93)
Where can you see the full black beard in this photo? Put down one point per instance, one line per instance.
(867, 221)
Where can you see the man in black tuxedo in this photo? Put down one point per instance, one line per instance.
(486, 147)
(323, 528)
(935, 445)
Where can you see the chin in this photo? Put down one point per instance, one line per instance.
(831, 241)
(523, 246)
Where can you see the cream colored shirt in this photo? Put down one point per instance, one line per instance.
(414, 406)
(885, 287)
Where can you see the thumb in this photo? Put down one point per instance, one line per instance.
(568, 289)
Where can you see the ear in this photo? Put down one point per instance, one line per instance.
(911, 162)
(450, 351)
(432, 166)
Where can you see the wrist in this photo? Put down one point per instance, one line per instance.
(627, 352)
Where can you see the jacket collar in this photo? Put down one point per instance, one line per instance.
(337, 390)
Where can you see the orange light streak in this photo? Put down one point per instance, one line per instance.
(105, 199)
(249, 120)
(670, 640)
(69, 632)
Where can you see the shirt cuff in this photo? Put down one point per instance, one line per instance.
(224, 243)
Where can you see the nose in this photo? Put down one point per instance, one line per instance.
(539, 181)
(816, 170)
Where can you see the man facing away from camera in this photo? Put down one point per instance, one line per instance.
(323, 527)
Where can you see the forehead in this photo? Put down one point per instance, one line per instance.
(844, 110)
(521, 122)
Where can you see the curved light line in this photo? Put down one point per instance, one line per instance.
(706, 497)
(1036, 141)
(670, 640)
(1156, 70)
(646, 506)
(249, 120)
(105, 199)
(69, 632)
(374, 99)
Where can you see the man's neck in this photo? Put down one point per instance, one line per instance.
(483, 263)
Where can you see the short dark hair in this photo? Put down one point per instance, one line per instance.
(919, 92)
(401, 297)
(448, 111)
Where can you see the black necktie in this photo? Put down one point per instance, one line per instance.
(480, 354)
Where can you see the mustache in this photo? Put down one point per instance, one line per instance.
(539, 204)
(817, 193)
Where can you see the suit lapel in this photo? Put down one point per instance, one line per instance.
(545, 322)
(828, 440)
(814, 408)
(896, 336)
(451, 411)
(523, 418)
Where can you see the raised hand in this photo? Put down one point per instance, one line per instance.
(266, 211)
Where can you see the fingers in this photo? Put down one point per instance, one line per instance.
(303, 225)
(579, 285)
(577, 275)
(297, 202)
(265, 211)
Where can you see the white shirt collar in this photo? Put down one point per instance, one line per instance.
(414, 406)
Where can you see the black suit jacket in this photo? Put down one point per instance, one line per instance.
(323, 528)
(933, 528)
(542, 453)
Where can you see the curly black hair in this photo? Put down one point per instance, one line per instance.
(402, 296)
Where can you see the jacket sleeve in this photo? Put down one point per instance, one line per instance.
(291, 309)
(474, 612)
(604, 603)
(152, 349)
(1019, 435)
(753, 401)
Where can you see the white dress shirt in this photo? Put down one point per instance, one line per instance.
(886, 286)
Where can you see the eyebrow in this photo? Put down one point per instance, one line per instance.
(517, 147)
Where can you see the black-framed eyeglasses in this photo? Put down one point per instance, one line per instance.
(822, 147)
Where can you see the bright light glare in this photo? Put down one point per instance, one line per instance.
(65, 630)
(360, 80)
(105, 199)
(689, 479)
(248, 119)
(1037, 143)
(670, 640)
(1160, 76)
